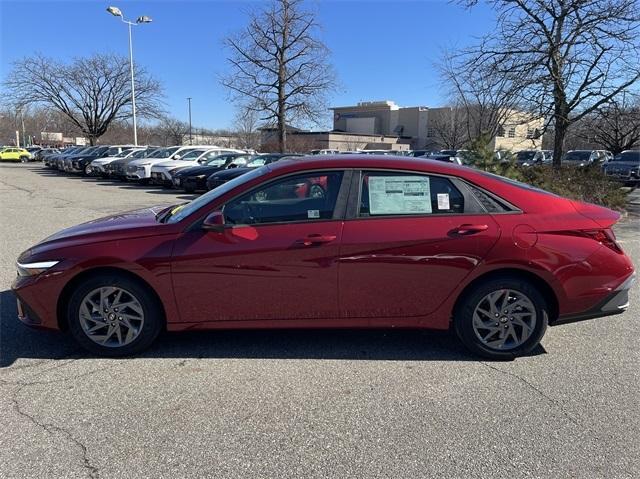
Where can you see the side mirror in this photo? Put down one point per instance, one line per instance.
(176, 157)
(214, 222)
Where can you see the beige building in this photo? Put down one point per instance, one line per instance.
(383, 125)
(428, 127)
(304, 141)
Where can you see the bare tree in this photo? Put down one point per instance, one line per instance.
(246, 127)
(279, 65)
(172, 131)
(449, 128)
(614, 125)
(486, 101)
(568, 57)
(92, 92)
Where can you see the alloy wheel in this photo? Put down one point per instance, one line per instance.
(111, 316)
(504, 319)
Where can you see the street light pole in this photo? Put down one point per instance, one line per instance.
(133, 90)
(190, 137)
(116, 12)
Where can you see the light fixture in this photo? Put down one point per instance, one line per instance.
(144, 19)
(115, 11)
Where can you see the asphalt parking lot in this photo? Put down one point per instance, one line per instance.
(301, 403)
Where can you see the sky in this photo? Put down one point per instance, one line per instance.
(381, 50)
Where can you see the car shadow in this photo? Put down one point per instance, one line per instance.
(19, 341)
(155, 190)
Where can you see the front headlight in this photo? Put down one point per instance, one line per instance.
(33, 269)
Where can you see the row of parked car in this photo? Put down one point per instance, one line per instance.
(195, 168)
(190, 168)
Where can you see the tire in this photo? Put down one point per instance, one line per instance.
(190, 190)
(143, 331)
(144, 181)
(24, 159)
(482, 334)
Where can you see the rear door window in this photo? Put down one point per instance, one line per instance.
(385, 193)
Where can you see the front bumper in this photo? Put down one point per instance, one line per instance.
(616, 302)
(160, 178)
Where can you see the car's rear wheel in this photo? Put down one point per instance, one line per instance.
(502, 318)
(113, 315)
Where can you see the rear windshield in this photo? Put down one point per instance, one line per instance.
(577, 156)
(526, 155)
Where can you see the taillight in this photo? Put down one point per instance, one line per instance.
(605, 237)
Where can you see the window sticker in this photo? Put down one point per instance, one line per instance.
(443, 201)
(313, 214)
(399, 195)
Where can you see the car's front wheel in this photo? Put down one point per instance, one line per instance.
(114, 315)
(502, 318)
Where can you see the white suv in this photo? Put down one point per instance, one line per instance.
(162, 173)
(140, 170)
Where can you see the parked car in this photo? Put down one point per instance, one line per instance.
(66, 164)
(443, 157)
(140, 170)
(534, 157)
(32, 152)
(415, 244)
(195, 178)
(416, 153)
(82, 164)
(97, 166)
(162, 173)
(117, 169)
(583, 158)
(624, 167)
(43, 153)
(13, 153)
(57, 161)
(221, 177)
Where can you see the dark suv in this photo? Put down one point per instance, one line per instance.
(624, 167)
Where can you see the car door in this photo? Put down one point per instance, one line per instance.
(408, 241)
(275, 259)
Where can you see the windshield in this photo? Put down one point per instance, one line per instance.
(259, 161)
(577, 156)
(115, 150)
(526, 155)
(217, 161)
(182, 211)
(164, 152)
(192, 155)
(633, 156)
(100, 150)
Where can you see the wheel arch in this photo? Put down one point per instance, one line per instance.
(65, 295)
(545, 289)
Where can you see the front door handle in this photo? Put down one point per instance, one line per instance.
(468, 229)
(316, 239)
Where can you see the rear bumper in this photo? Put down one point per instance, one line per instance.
(615, 303)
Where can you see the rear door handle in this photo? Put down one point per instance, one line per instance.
(468, 229)
(316, 239)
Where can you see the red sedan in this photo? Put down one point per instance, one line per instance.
(384, 242)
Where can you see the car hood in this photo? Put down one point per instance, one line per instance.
(148, 161)
(108, 159)
(130, 224)
(199, 170)
(232, 173)
(623, 164)
(175, 164)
